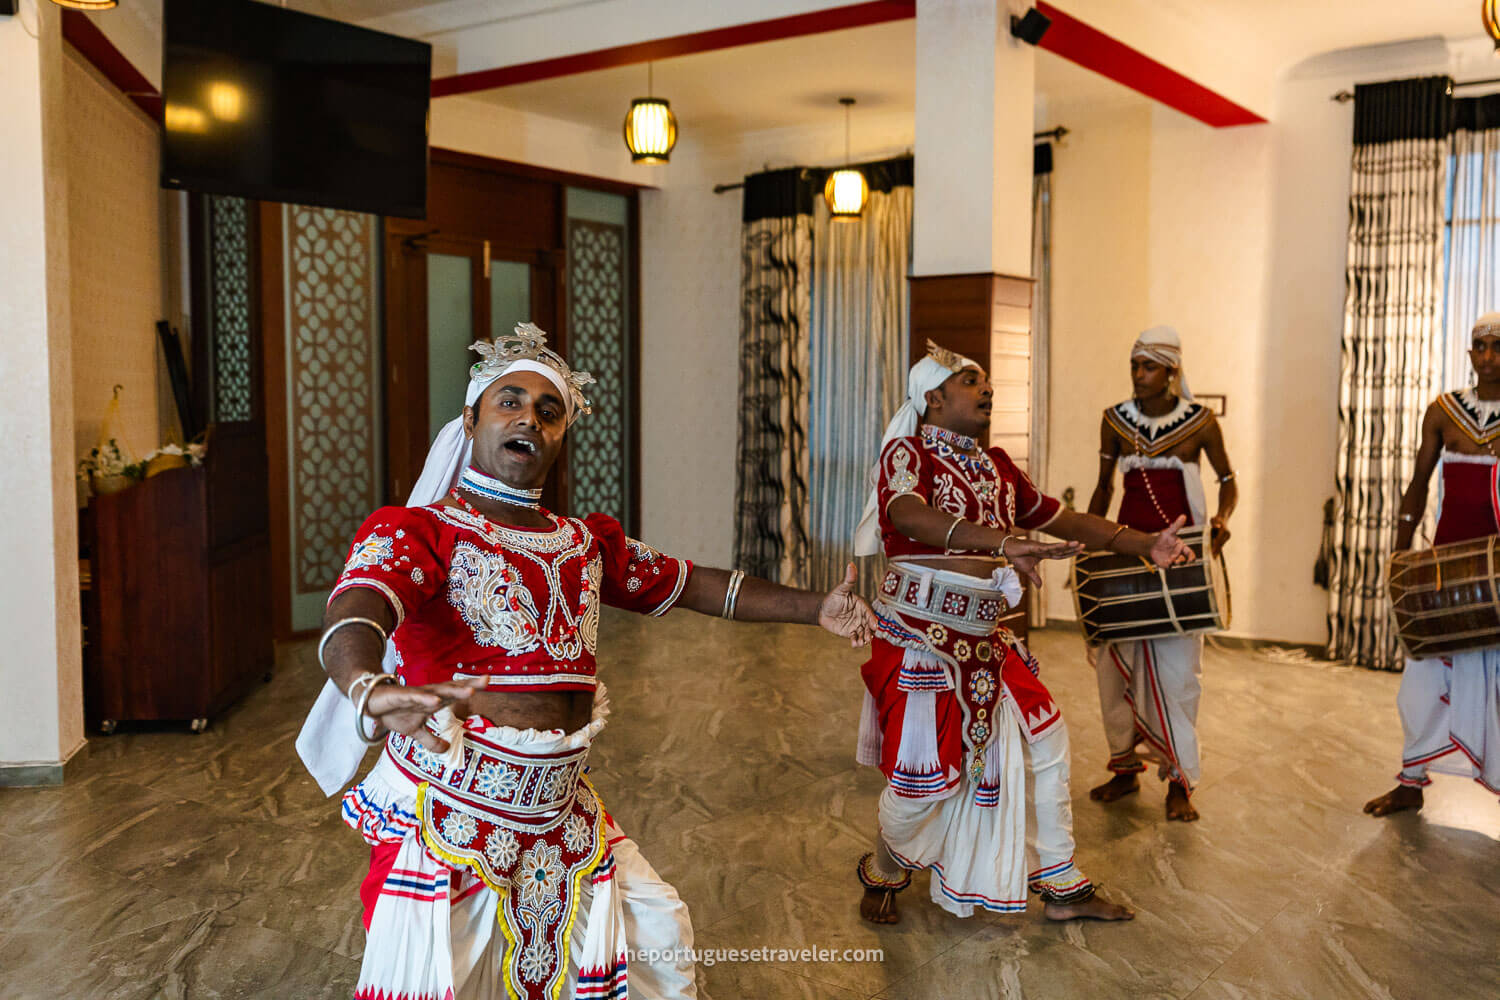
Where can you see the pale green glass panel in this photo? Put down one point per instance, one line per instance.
(510, 296)
(598, 310)
(450, 331)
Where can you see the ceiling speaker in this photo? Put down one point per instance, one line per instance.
(1031, 27)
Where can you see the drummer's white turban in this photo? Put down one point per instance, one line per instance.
(1487, 325)
(1162, 345)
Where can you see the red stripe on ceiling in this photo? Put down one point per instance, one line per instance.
(857, 15)
(1093, 49)
(91, 43)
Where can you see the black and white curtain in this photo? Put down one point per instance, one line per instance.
(1392, 346)
(771, 459)
(1041, 334)
(860, 332)
(823, 357)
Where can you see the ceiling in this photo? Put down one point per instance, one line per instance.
(784, 84)
(1289, 31)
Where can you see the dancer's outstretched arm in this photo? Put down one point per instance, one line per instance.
(840, 611)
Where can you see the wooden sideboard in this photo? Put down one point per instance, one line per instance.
(177, 614)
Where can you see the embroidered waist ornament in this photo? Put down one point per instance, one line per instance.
(529, 826)
(954, 620)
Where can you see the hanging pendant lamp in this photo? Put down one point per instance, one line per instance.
(846, 190)
(650, 127)
(87, 4)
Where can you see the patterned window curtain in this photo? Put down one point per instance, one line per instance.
(1041, 333)
(1391, 352)
(1473, 271)
(771, 456)
(860, 317)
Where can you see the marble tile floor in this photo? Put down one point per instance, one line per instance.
(173, 865)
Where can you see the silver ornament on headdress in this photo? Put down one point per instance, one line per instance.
(529, 343)
(948, 359)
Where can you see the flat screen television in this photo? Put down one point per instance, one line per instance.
(268, 103)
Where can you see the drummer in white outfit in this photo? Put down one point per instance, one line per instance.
(1149, 689)
(1450, 705)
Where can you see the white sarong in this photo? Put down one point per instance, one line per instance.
(1450, 717)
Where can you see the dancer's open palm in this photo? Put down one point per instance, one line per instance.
(845, 613)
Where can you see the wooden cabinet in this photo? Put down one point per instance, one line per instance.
(178, 611)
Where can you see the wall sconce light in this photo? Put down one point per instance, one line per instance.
(87, 4)
(846, 190)
(650, 127)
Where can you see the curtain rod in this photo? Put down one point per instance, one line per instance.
(1344, 96)
(1055, 133)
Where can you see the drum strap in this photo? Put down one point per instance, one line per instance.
(1166, 594)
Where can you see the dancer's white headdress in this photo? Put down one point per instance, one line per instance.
(1162, 345)
(930, 373)
(328, 744)
(1487, 325)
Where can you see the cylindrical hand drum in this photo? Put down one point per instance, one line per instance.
(1444, 599)
(1120, 598)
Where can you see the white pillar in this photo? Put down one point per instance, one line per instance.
(975, 86)
(41, 708)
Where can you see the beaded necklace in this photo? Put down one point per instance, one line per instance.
(490, 488)
(1140, 448)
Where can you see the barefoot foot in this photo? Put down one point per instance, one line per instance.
(878, 906)
(1179, 806)
(1117, 787)
(1096, 907)
(1398, 799)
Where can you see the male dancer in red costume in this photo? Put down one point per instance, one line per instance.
(1149, 689)
(955, 714)
(495, 870)
(1450, 705)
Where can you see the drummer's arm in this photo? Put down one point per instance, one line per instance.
(1109, 454)
(1229, 490)
(919, 522)
(1414, 500)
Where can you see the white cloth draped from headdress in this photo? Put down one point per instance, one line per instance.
(1162, 345)
(327, 743)
(924, 376)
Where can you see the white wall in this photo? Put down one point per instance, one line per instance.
(1101, 215)
(42, 719)
(690, 314)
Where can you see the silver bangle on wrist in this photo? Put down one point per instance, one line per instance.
(1001, 550)
(328, 634)
(948, 538)
(732, 594)
(366, 684)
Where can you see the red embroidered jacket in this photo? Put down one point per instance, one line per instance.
(987, 489)
(520, 605)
